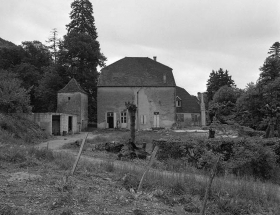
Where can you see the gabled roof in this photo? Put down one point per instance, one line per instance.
(72, 87)
(136, 71)
(190, 104)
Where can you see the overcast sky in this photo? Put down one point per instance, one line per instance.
(193, 37)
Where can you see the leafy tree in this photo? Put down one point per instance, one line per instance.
(36, 54)
(226, 94)
(248, 107)
(79, 53)
(13, 97)
(11, 56)
(46, 92)
(216, 80)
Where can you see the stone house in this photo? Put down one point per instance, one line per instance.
(147, 83)
(72, 111)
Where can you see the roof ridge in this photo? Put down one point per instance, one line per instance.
(72, 86)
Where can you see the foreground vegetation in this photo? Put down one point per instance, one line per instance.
(247, 175)
(105, 188)
(175, 185)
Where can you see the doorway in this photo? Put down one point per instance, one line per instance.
(110, 119)
(56, 124)
(156, 119)
(70, 125)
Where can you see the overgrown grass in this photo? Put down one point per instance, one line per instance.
(229, 195)
(17, 129)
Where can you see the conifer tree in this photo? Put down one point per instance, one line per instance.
(80, 53)
(53, 41)
(216, 80)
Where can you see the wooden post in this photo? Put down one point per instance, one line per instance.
(209, 186)
(148, 168)
(78, 157)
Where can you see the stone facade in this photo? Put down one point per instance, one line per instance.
(57, 123)
(148, 84)
(72, 99)
(74, 103)
(156, 106)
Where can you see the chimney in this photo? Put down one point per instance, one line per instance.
(155, 58)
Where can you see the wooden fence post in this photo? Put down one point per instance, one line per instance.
(79, 154)
(148, 168)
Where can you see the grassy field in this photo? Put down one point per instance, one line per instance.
(185, 192)
(36, 181)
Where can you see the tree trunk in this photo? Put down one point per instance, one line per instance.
(132, 127)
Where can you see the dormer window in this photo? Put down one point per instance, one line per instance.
(178, 101)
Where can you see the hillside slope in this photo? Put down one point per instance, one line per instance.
(17, 129)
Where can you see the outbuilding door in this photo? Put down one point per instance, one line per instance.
(156, 119)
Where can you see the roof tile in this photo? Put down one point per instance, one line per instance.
(190, 104)
(72, 87)
(136, 71)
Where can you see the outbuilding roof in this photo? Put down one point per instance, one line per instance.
(190, 104)
(72, 87)
(136, 71)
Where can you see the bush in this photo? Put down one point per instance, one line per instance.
(253, 157)
(13, 97)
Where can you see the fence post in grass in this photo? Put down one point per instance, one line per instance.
(209, 186)
(149, 166)
(79, 155)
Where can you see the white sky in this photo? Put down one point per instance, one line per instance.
(193, 37)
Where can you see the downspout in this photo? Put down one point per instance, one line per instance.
(137, 101)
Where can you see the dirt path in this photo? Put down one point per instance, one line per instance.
(59, 141)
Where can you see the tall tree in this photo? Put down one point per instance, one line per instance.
(53, 40)
(274, 50)
(80, 51)
(82, 20)
(216, 80)
(271, 67)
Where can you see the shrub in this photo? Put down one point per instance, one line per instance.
(241, 156)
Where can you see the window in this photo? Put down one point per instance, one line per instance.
(123, 117)
(180, 117)
(194, 117)
(69, 98)
(178, 102)
(143, 119)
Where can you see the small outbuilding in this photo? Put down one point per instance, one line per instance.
(72, 112)
(57, 123)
